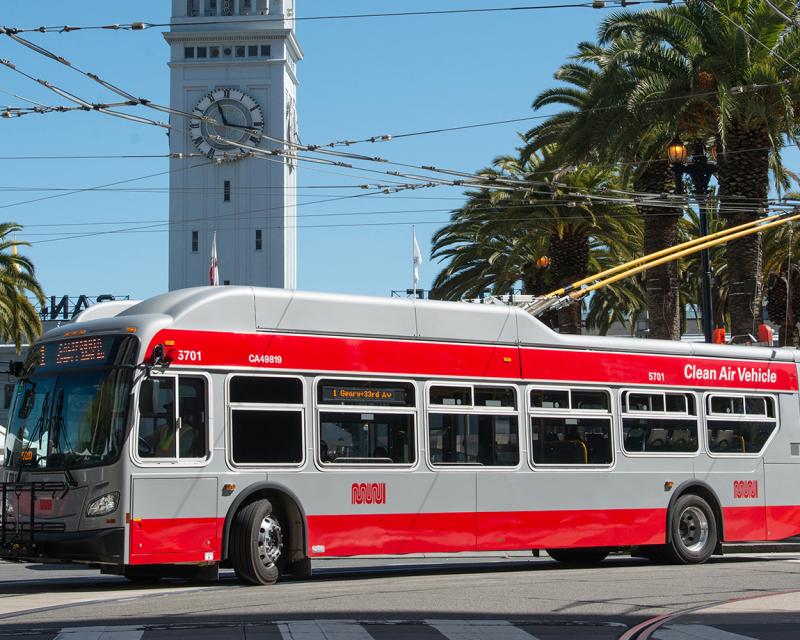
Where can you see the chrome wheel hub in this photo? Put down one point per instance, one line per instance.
(270, 541)
(693, 526)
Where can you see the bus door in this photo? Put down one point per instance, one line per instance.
(174, 505)
(781, 474)
(738, 427)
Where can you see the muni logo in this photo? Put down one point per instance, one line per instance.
(368, 493)
(745, 488)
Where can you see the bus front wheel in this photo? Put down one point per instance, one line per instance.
(257, 543)
(693, 531)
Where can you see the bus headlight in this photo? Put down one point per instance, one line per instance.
(103, 505)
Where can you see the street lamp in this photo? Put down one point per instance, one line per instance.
(699, 170)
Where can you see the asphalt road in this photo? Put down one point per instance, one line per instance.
(516, 597)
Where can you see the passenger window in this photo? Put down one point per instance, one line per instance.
(266, 437)
(591, 400)
(662, 429)
(645, 402)
(367, 438)
(453, 396)
(266, 434)
(473, 438)
(266, 390)
(568, 441)
(659, 435)
(724, 405)
(495, 397)
(549, 399)
(742, 434)
(380, 430)
(677, 403)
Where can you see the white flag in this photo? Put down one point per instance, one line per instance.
(417, 260)
(213, 274)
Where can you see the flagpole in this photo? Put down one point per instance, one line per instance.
(413, 262)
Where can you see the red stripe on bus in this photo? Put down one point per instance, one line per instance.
(583, 528)
(171, 540)
(365, 534)
(345, 354)
(782, 522)
(324, 353)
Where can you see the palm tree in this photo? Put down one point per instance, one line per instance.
(605, 122)
(499, 234)
(19, 320)
(702, 53)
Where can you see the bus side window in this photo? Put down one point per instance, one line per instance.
(156, 438)
(193, 433)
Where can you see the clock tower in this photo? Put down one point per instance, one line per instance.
(233, 67)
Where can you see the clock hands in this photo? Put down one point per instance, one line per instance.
(222, 115)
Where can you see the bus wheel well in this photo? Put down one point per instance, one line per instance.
(705, 492)
(293, 519)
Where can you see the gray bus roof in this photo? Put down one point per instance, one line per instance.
(250, 309)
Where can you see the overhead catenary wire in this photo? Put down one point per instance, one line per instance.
(494, 181)
(547, 303)
(142, 25)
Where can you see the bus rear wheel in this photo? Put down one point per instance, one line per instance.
(693, 531)
(578, 556)
(257, 543)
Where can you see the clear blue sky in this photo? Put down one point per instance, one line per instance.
(360, 78)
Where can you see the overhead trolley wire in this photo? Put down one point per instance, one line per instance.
(464, 178)
(141, 25)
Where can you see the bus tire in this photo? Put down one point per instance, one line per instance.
(578, 556)
(257, 543)
(693, 531)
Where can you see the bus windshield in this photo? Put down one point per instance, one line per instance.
(71, 405)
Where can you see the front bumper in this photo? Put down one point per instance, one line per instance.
(105, 546)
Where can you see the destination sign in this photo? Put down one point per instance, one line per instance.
(366, 395)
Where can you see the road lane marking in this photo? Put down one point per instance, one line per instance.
(479, 630)
(696, 632)
(100, 633)
(322, 630)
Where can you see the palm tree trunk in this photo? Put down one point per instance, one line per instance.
(660, 232)
(569, 254)
(743, 174)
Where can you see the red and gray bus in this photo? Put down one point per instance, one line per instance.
(261, 428)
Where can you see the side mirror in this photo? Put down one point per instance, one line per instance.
(15, 368)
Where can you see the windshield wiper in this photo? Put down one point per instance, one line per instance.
(58, 426)
(40, 422)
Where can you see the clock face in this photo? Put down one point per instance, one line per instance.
(236, 118)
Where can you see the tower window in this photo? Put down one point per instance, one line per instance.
(258, 239)
(266, 50)
(195, 241)
(252, 51)
(202, 52)
(226, 191)
(188, 52)
(211, 10)
(262, 6)
(245, 7)
(240, 52)
(192, 9)
(215, 52)
(227, 52)
(227, 7)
